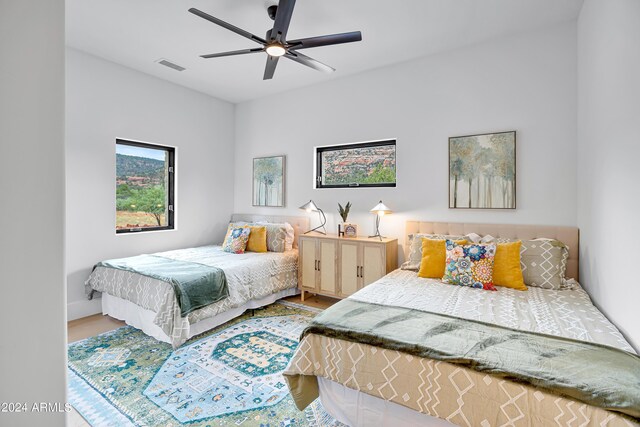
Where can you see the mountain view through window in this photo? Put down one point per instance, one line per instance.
(371, 164)
(143, 187)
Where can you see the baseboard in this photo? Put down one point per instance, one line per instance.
(79, 309)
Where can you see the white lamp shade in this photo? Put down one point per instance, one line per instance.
(309, 207)
(380, 208)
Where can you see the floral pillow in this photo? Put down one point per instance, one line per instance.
(236, 240)
(470, 265)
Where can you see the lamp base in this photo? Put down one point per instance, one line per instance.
(377, 229)
(323, 218)
(317, 230)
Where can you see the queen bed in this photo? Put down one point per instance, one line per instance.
(150, 304)
(377, 373)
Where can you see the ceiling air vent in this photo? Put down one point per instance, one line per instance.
(170, 64)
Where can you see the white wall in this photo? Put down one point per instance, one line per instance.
(525, 83)
(32, 288)
(608, 155)
(106, 101)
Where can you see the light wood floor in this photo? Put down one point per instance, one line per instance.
(97, 324)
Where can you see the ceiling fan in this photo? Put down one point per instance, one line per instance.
(275, 44)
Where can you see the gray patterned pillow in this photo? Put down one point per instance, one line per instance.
(415, 248)
(279, 236)
(490, 239)
(543, 261)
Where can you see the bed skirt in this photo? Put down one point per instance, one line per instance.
(358, 409)
(142, 319)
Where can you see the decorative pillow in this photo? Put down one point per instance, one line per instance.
(473, 237)
(415, 248)
(490, 239)
(236, 240)
(257, 239)
(506, 266)
(279, 236)
(230, 227)
(544, 263)
(434, 257)
(233, 225)
(470, 265)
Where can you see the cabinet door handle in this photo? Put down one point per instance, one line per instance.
(315, 265)
(361, 272)
(318, 265)
(357, 271)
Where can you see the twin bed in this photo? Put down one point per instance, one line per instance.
(254, 280)
(408, 351)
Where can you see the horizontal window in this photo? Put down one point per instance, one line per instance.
(365, 164)
(144, 187)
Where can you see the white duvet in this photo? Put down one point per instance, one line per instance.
(566, 313)
(249, 276)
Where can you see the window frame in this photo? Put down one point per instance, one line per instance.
(366, 144)
(171, 167)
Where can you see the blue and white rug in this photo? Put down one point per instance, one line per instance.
(230, 376)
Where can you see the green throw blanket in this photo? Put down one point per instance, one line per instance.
(195, 285)
(592, 373)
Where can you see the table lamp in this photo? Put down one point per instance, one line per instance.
(312, 207)
(380, 210)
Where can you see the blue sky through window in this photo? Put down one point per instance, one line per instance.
(149, 153)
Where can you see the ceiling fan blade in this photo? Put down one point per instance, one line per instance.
(228, 26)
(232, 53)
(309, 62)
(282, 21)
(270, 68)
(354, 36)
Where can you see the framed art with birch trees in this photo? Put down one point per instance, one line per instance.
(482, 171)
(268, 181)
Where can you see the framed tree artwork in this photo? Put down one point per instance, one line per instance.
(268, 181)
(482, 171)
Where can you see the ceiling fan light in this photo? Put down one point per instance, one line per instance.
(275, 50)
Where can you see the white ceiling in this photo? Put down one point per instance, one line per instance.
(136, 33)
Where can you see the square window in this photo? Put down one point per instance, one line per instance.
(144, 187)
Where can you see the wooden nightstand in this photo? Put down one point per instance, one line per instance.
(339, 266)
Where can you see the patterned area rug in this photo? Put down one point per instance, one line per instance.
(230, 376)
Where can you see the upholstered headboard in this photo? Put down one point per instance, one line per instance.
(299, 223)
(567, 235)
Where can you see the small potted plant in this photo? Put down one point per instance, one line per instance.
(344, 214)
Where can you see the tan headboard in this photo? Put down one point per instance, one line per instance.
(300, 224)
(570, 236)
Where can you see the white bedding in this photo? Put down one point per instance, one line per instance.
(345, 395)
(250, 276)
(566, 313)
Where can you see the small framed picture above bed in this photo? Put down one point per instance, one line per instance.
(482, 171)
(268, 181)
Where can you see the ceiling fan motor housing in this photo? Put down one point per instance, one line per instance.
(272, 10)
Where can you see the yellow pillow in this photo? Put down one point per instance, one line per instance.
(257, 239)
(434, 258)
(506, 266)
